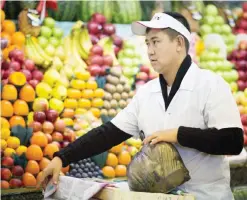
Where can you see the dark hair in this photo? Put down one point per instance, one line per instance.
(172, 33)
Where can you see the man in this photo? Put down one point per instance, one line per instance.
(187, 106)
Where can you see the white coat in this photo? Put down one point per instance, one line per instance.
(204, 100)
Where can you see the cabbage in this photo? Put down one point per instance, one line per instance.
(157, 169)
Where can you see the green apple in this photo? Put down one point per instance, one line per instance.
(128, 45)
(220, 65)
(219, 20)
(45, 31)
(49, 22)
(129, 53)
(128, 72)
(59, 92)
(231, 39)
(234, 75)
(136, 62)
(227, 76)
(211, 10)
(217, 28)
(212, 56)
(56, 104)
(54, 41)
(234, 87)
(214, 48)
(126, 62)
(203, 65)
(211, 65)
(43, 90)
(226, 29)
(57, 63)
(69, 72)
(206, 29)
(43, 42)
(51, 76)
(57, 32)
(209, 20)
(50, 50)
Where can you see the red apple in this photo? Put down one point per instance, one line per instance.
(17, 55)
(37, 126)
(6, 174)
(97, 60)
(27, 73)
(244, 119)
(95, 70)
(116, 50)
(69, 135)
(103, 70)
(47, 127)
(244, 5)
(93, 27)
(117, 41)
(144, 68)
(7, 161)
(16, 66)
(57, 136)
(15, 183)
(241, 85)
(5, 65)
(142, 76)
(108, 60)
(109, 29)
(242, 54)
(139, 84)
(97, 50)
(241, 64)
(245, 130)
(60, 125)
(33, 83)
(17, 170)
(56, 143)
(37, 75)
(243, 24)
(94, 39)
(99, 18)
(49, 137)
(39, 116)
(29, 64)
(51, 115)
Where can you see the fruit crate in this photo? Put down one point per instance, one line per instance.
(22, 194)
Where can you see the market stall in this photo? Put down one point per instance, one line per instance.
(64, 73)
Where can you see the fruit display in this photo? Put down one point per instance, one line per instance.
(212, 59)
(241, 25)
(239, 58)
(214, 23)
(130, 61)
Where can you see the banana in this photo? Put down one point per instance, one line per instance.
(75, 34)
(41, 51)
(85, 40)
(32, 53)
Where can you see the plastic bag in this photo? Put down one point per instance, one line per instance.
(157, 169)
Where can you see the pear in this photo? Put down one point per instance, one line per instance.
(56, 104)
(59, 92)
(51, 76)
(43, 90)
(57, 63)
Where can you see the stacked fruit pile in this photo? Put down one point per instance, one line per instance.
(241, 26)
(239, 58)
(10, 39)
(130, 61)
(212, 59)
(117, 93)
(213, 23)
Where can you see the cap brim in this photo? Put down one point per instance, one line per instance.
(140, 27)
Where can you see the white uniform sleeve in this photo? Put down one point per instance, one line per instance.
(126, 120)
(221, 110)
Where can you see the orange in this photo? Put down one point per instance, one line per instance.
(18, 38)
(87, 94)
(21, 108)
(7, 109)
(7, 36)
(13, 142)
(99, 93)
(50, 149)
(97, 102)
(4, 123)
(17, 120)
(20, 150)
(32, 167)
(43, 163)
(84, 103)
(70, 103)
(9, 151)
(73, 93)
(120, 171)
(116, 149)
(34, 152)
(8, 26)
(82, 75)
(27, 93)
(39, 139)
(17, 78)
(96, 112)
(65, 169)
(68, 112)
(9, 92)
(111, 160)
(124, 158)
(108, 172)
(29, 180)
(2, 16)
(3, 144)
(91, 85)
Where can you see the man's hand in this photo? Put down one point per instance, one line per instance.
(169, 135)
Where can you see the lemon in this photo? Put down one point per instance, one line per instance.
(3, 144)
(20, 150)
(9, 151)
(5, 133)
(13, 142)
(4, 123)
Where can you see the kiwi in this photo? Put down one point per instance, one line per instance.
(114, 103)
(131, 94)
(112, 112)
(127, 88)
(108, 96)
(125, 96)
(120, 88)
(123, 80)
(112, 79)
(104, 112)
(117, 96)
(107, 104)
(110, 88)
(116, 71)
(122, 104)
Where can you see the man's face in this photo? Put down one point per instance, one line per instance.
(161, 50)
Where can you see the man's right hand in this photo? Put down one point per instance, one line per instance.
(53, 169)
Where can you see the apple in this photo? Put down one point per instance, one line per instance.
(69, 135)
(211, 10)
(96, 59)
(57, 32)
(5, 65)
(108, 60)
(245, 140)
(242, 54)
(210, 20)
(33, 83)
(37, 75)
(117, 41)
(15, 183)
(49, 22)
(97, 50)
(6, 174)
(7, 161)
(37, 126)
(241, 85)
(17, 170)
(17, 55)
(4, 184)
(60, 125)
(139, 84)
(234, 86)
(56, 143)
(99, 18)
(47, 127)
(103, 70)
(219, 20)
(145, 68)
(206, 29)
(217, 28)
(27, 74)
(15, 65)
(57, 136)
(94, 70)
(46, 32)
(43, 41)
(94, 39)
(242, 75)
(50, 50)
(51, 115)
(116, 50)
(29, 64)
(94, 27)
(49, 138)
(109, 29)
(54, 41)
(241, 64)
(142, 76)
(244, 120)
(39, 116)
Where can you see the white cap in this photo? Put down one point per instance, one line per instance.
(160, 20)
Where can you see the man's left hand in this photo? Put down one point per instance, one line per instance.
(169, 135)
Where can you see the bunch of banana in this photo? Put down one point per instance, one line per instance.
(36, 53)
(107, 44)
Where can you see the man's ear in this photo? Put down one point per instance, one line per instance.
(180, 43)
